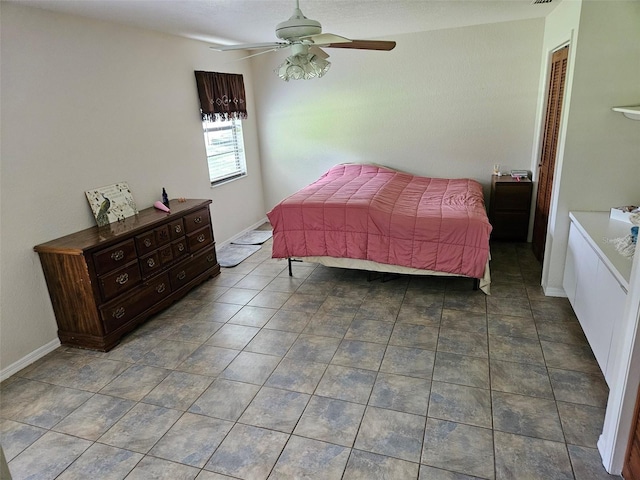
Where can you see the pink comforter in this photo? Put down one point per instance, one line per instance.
(374, 213)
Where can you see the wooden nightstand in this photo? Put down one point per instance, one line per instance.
(509, 208)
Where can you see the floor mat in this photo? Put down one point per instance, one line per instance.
(254, 237)
(231, 255)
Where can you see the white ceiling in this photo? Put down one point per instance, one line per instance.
(240, 21)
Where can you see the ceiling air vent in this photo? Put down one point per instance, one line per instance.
(536, 2)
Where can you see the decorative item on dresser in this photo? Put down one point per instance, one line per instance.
(104, 281)
(510, 207)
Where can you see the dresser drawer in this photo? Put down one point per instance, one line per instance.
(150, 264)
(119, 281)
(199, 239)
(124, 309)
(153, 239)
(511, 226)
(179, 248)
(513, 196)
(114, 257)
(146, 242)
(187, 271)
(196, 220)
(176, 229)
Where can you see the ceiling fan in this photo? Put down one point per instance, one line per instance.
(305, 38)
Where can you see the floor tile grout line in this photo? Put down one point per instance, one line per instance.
(378, 371)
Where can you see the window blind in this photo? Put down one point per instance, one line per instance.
(225, 150)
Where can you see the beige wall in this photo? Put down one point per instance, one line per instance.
(445, 103)
(561, 28)
(599, 157)
(87, 104)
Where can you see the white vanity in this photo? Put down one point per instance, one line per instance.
(596, 281)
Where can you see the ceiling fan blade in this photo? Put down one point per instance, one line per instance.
(318, 52)
(249, 46)
(384, 45)
(259, 53)
(325, 39)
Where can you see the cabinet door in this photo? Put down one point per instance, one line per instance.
(609, 316)
(570, 279)
(586, 297)
(598, 325)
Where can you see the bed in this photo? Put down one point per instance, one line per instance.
(374, 218)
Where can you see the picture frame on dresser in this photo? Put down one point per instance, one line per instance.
(112, 203)
(103, 281)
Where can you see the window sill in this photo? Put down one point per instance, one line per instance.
(227, 181)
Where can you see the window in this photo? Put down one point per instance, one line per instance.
(225, 150)
(222, 106)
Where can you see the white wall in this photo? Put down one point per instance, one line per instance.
(599, 161)
(87, 104)
(561, 28)
(446, 103)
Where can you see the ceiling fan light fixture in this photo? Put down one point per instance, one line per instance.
(302, 66)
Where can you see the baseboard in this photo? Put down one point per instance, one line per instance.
(252, 227)
(554, 292)
(29, 359)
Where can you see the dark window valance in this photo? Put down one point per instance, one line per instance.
(221, 95)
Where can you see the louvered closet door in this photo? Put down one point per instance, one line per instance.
(547, 162)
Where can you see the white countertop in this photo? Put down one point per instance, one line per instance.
(596, 226)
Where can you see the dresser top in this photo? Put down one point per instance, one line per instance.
(77, 243)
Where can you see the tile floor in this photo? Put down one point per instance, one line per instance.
(324, 375)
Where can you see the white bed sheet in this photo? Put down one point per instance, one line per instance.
(485, 281)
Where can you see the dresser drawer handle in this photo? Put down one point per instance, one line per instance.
(182, 275)
(178, 229)
(151, 263)
(197, 220)
(180, 247)
(161, 288)
(122, 279)
(117, 255)
(201, 238)
(210, 257)
(118, 313)
(147, 242)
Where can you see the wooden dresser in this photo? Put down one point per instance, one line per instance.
(104, 281)
(509, 208)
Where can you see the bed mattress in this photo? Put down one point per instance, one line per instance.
(369, 212)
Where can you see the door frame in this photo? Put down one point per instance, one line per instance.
(550, 130)
(537, 151)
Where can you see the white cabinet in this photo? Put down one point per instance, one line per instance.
(595, 285)
(609, 312)
(570, 280)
